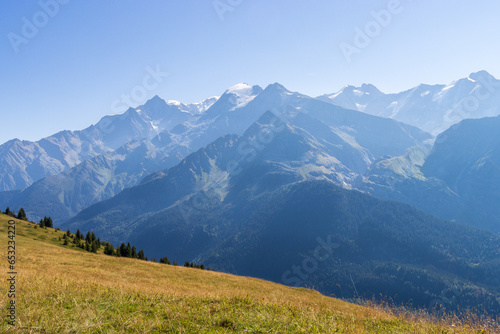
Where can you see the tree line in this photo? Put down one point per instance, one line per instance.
(91, 243)
(20, 214)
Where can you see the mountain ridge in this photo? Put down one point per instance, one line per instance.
(25, 162)
(104, 176)
(432, 108)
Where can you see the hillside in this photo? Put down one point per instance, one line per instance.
(457, 180)
(64, 290)
(467, 158)
(265, 217)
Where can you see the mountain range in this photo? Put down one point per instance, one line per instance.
(103, 176)
(432, 108)
(254, 181)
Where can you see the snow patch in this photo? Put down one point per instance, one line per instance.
(335, 95)
(154, 127)
(450, 86)
(395, 108)
(361, 107)
(174, 103)
(358, 92)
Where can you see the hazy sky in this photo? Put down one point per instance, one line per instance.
(65, 66)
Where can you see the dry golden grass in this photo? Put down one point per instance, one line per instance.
(62, 289)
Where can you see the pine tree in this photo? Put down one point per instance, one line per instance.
(175, 263)
(186, 264)
(68, 233)
(93, 249)
(21, 214)
(79, 234)
(108, 249)
(42, 223)
(48, 222)
(8, 212)
(141, 256)
(122, 249)
(88, 238)
(129, 250)
(125, 250)
(65, 241)
(134, 252)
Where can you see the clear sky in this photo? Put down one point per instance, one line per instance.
(64, 68)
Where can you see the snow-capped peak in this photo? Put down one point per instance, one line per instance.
(363, 90)
(370, 89)
(243, 93)
(239, 88)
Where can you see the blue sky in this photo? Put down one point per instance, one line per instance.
(86, 55)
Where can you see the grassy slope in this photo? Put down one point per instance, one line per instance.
(62, 289)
